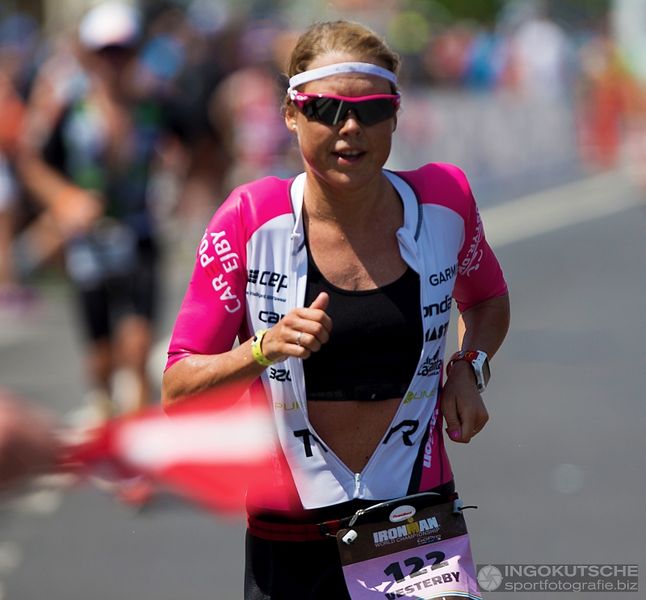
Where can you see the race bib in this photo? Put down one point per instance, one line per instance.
(408, 552)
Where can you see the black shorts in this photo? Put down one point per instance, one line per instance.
(133, 293)
(308, 570)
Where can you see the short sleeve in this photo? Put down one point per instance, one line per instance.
(213, 308)
(480, 276)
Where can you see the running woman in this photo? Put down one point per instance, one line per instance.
(338, 284)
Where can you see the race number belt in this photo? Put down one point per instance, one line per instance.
(406, 548)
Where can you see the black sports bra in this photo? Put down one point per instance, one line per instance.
(375, 342)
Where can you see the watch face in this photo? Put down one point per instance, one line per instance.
(480, 364)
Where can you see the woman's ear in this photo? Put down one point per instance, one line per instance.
(290, 117)
(394, 122)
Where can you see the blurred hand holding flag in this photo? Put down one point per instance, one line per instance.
(209, 449)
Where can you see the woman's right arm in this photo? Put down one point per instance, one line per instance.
(201, 355)
(196, 373)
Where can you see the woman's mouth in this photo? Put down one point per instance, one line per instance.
(349, 156)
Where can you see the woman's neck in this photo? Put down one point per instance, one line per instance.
(348, 208)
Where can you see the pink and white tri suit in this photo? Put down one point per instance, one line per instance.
(251, 269)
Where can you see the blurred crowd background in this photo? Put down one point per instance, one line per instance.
(520, 93)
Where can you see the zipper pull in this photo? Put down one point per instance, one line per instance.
(357, 484)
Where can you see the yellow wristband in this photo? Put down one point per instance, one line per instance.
(256, 349)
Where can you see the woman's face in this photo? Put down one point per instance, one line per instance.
(349, 154)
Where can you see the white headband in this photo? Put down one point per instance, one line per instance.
(337, 68)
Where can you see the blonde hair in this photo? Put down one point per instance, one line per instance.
(341, 36)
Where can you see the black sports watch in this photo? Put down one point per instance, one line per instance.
(479, 362)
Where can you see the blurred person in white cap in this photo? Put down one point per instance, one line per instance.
(92, 176)
(110, 24)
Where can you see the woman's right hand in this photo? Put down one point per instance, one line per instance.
(300, 332)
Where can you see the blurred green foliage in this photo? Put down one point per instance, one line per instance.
(574, 12)
(478, 10)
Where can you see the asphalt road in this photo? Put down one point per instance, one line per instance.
(557, 473)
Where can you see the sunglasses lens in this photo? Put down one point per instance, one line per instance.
(374, 111)
(325, 110)
(332, 110)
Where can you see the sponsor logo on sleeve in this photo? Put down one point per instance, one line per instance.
(214, 247)
(471, 261)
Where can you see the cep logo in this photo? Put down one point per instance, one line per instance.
(268, 279)
(269, 316)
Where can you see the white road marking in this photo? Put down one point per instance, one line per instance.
(559, 207)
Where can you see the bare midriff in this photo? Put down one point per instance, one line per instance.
(352, 429)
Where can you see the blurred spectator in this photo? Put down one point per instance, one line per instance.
(246, 107)
(540, 56)
(602, 96)
(447, 55)
(91, 173)
(17, 42)
(487, 59)
(203, 34)
(28, 444)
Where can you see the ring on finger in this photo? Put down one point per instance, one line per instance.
(298, 338)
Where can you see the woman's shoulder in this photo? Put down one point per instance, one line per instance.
(256, 202)
(438, 179)
(441, 184)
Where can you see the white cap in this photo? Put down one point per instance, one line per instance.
(110, 24)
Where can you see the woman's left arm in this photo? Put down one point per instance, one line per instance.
(482, 327)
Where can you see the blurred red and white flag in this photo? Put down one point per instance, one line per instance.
(210, 451)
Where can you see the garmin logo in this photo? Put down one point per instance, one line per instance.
(440, 308)
(443, 276)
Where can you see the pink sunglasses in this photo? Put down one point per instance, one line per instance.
(331, 110)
